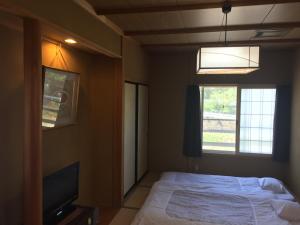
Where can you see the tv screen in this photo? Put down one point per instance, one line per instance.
(60, 189)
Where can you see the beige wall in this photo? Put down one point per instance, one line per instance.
(294, 169)
(12, 126)
(72, 18)
(170, 73)
(63, 146)
(88, 141)
(135, 61)
(101, 92)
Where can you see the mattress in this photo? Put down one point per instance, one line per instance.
(242, 185)
(175, 204)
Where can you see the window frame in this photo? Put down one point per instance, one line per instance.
(238, 117)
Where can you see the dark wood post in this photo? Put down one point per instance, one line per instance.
(118, 135)
(33, 117)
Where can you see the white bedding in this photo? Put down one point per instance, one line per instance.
(173, 204)
(206, 207)
(246, 185)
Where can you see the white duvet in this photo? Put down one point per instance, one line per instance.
(242, 185)
(173, 204)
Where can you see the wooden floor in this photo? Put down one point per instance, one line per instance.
(132, 203)
(106, 215)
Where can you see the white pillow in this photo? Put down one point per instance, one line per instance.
(287, 210)
(285, 196)
(271, 184)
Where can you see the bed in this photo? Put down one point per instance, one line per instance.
(196, 199)
(248, 185)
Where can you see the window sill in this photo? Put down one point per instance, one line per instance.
(235, 154)
(219, 152)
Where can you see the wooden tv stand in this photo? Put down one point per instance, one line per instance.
(81, 216)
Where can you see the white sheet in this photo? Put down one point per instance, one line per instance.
(206, 207)
(161, 208)
(246, 185)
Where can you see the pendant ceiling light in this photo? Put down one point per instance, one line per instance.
(227, 60)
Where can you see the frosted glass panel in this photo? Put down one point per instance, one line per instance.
(257, 120)
(227, 60)
(254, 56)
(226, 57)
(227, 71)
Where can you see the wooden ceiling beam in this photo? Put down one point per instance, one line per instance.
(230, 43)
(213, 29)
(183, 7)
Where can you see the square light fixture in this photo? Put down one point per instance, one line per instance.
(228, 60)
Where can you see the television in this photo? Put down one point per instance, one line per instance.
(60, 190)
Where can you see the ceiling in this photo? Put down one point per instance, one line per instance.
(169, 22)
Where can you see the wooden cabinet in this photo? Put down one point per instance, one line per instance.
(81, 216)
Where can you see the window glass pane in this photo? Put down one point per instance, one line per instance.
(257, 115)
(219, 118)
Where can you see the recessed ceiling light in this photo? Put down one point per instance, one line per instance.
(70, 41)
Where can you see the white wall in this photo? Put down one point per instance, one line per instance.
(135, 61)
(170, 73)
(294, 169)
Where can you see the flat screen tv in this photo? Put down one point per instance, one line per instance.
(60, 189)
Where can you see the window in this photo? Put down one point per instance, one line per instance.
(237, 119)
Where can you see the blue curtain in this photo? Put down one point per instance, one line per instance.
(192, 129)
(282, 124)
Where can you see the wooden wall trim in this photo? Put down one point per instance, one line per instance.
(182, 7)
(229, 43)
(118, 135)
(33, 131)
(214, 29)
